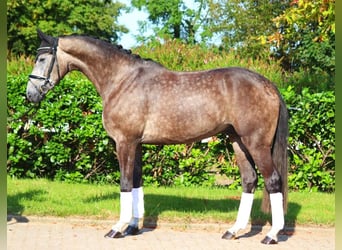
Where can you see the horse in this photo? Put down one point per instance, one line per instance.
(146, 103)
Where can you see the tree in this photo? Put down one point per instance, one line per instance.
(305, 36)
(242, 25)
(56, 17)
(172, 18)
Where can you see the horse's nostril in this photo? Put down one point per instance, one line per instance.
(28, 95)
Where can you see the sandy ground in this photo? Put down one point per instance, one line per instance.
(56, 233)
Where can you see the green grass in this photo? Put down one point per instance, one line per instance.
(178, 204)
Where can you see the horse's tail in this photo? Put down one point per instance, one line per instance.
(279, 156)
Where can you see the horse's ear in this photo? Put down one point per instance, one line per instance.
(40, 33)
(44, 37)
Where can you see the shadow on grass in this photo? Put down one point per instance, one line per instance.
(156, 204)
(15, 208)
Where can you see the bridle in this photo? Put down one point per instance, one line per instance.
(48, 83)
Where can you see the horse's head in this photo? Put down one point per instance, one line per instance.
(46, 73)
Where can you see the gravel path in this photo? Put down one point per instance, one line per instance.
(54, 233)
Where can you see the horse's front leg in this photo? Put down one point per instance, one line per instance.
(138, 195)
(126, 156)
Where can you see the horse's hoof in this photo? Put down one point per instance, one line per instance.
(228, 236)
(269, 241)
(131, 230)
(112, 234)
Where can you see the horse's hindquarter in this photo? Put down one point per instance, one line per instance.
(252, 103)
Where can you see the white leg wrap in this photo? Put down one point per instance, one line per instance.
(138, 202)
(243, 213)
(125, 210)
(138, 206)
(277, 214)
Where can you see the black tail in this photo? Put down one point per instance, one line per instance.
(279, 156)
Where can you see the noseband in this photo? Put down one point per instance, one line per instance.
(48, 83)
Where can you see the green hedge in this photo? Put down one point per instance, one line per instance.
(312, 139)
(63, 139)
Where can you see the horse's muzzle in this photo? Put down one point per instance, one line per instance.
(33, 94)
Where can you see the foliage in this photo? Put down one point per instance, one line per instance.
(173, 18)
(242, 24)
(177, 55)
(312, 140)
(305, 36)
(299, 33)
(64, 138)
(58, 17)
(180, 165)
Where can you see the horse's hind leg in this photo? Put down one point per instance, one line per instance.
(249, 182)
(263, 159)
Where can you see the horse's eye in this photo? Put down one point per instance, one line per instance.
(41, 59)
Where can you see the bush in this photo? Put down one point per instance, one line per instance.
(61, 139)
(312, 139)
(178, 56)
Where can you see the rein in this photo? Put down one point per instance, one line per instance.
(48, 83)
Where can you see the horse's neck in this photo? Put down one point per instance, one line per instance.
(100, 69)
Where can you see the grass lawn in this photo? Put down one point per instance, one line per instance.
(172, 204)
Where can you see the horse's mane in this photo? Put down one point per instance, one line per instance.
(111, 47)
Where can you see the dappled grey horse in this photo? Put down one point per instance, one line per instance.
(144, 102)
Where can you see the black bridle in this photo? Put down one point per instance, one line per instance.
(48, 84)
